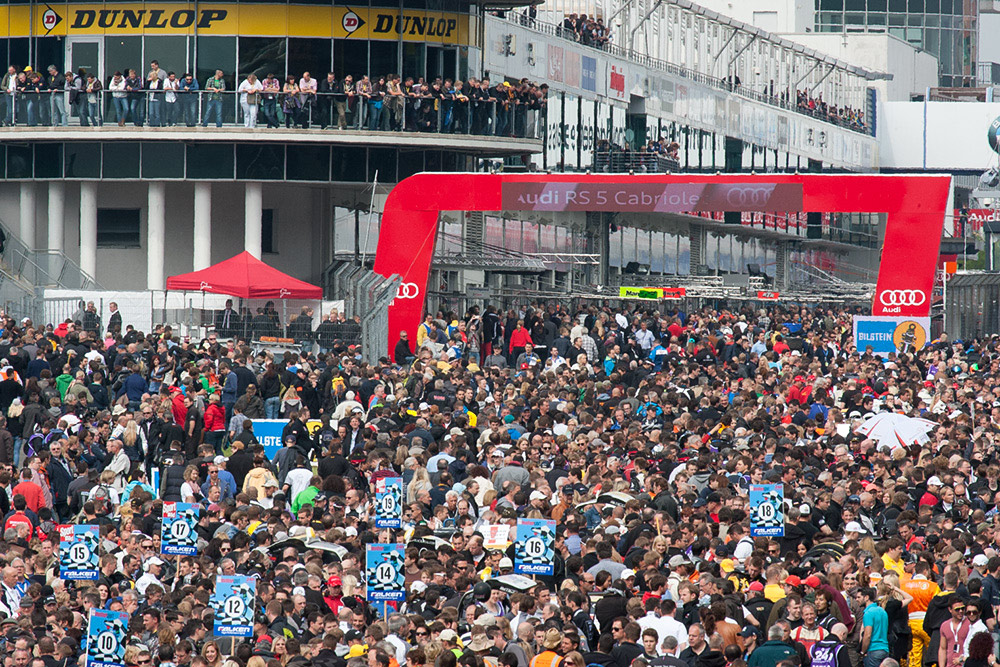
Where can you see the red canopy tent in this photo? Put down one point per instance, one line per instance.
(247, 277)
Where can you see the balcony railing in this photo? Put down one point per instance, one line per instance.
(782, 101)
(640, 162)
(487, 117)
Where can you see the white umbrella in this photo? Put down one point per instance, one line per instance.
(895, 430)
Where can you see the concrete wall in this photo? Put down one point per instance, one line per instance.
(913, 70)
(778, 16)
(303, 227)
(936, 135)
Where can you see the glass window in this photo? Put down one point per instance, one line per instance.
(122, 53)
(308, 163)
(50, 51)
(121, 160)
(349, 164)
(877, 5)
(162, 159)
(413, 58)
(169, 51)
(309, 55)
(383, 162)
(118, 227)
(897, 6)
(432, 161)
(82, 160)
(410, 163)
(216, 53)
(48, 160)
(262, 56)
(384, 58)
(18, 51)
(267, 231)
(260, 162)
(831, 5)
(212, 161)
(350, 57)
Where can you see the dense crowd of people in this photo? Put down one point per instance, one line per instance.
(165, 99)
(638, 430)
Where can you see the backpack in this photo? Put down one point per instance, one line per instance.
(101, 497)
(16, 518)
(33, 444)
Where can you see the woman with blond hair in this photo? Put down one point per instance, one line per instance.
(894, 600)
(212, 655)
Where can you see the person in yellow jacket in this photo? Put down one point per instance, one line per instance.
(921, 588)
(549, 657)
(424, 329)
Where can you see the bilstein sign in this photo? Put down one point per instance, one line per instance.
(264, 20)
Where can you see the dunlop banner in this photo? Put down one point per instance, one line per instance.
(234, 19)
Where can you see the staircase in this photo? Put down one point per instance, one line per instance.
(25, 272)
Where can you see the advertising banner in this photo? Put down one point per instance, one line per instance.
(78, 552)
(389, 502)
(106, 632)
(767, 510)
(651, 197)
(177, 534)
(534, 552)
(384, 572)
(234, 601)
(891, 334)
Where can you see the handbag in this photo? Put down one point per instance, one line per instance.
(252, 98)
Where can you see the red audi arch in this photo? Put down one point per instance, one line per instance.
(915, 205)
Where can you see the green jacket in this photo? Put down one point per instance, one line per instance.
(770, 653)
(62, 383)
(305, 497)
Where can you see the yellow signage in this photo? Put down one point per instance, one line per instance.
(640, 292)
(235, 19)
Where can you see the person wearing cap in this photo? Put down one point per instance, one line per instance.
(551, 641)
(932, 495)
(153, 568)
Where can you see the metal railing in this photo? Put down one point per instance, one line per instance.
(649, 62)
(634, 161)
(486, 116)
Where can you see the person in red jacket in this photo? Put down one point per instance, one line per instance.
(215, 423)
(520, 338)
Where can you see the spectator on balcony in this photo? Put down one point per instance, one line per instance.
(307, 98)
(324, 100)
(154, 70)
(119, 97)
(250, 92)
(215, 86)
(93, 100)
(375, 105)
(504, 93)
(133, 84)
(55, 83)
(569, 27)
(411, 93)
(427, 115)
(343, 100)
(155, 99)
(364, 92)
(171, 85)
(188, 97)
(9, 85)
(271, 91)
(394, 101)
(482, 107)
(77, 100)
(290, 102)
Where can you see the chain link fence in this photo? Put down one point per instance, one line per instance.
(367, 297)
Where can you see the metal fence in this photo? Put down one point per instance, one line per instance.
(367, 297)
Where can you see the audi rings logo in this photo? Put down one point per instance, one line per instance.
(407, 291)
(750, 195)
(902, 297)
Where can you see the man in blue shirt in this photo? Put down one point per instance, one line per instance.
(658, 355)
(875, 629)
